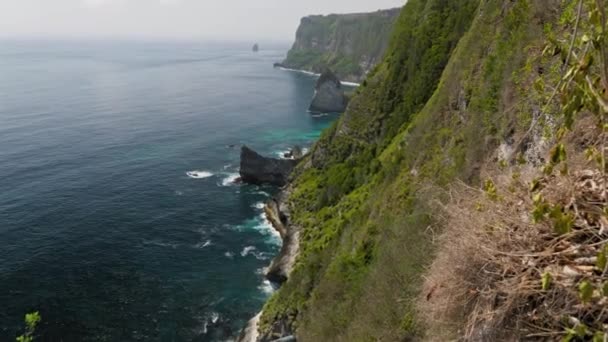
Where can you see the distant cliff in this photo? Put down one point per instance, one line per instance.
(349, 44)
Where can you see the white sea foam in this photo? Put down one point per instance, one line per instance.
(261, 271)
(263, 193)
(202, 245)
(159, 243)
(261, 255)
(230, 179)
(229, 255)
(259, 205)
(214, 317)
(300, 71)
(251, 250)
(262, 225)
(266, 228)
(351, 84)
(266, 287)
(199, 174)
(281, 154)
(247, 250)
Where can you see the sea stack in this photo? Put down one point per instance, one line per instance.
(256, 169)
(329, 96)
(255, 47)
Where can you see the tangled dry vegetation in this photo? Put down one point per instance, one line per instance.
(523, 258)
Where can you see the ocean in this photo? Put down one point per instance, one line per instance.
(119, 217)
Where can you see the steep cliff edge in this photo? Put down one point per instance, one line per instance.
(450, 202)
(349, 44)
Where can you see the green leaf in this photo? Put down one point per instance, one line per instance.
(598, 336)
(32, 319)
(594, 17)
(585, 291)
(546, 281)
(535, 185)
(605, 289)
(581, 330)
(539, 85)
(558, 154)
(562, 222)
(570, 335)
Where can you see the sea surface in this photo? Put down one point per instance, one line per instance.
(119, 217)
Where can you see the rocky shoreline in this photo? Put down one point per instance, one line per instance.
(256, 169)
(278, 271)
(277, 212)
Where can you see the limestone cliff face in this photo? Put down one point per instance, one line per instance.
(349, 44)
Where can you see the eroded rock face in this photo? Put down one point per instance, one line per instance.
(329, 96)
(350, 44)
(257, 169)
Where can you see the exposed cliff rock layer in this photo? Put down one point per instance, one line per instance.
(349, 44)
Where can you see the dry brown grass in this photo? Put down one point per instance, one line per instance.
(486, 281)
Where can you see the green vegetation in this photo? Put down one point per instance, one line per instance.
(348, 44)
(456, 83)
(31, 321)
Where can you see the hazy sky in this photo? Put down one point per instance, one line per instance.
(202, 19)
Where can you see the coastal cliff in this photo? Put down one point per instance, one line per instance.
(349, 44)
(458, 198)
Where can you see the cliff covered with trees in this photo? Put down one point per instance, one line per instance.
(463, 193)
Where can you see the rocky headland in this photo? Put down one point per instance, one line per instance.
(350, 44)
(257, 169)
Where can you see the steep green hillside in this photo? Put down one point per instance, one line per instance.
(455, 84)
(349, 44)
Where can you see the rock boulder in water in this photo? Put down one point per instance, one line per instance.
(257, 169)
(329, 96)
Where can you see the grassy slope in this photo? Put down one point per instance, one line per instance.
(417, 120)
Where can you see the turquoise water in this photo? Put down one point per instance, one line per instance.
(118, 220)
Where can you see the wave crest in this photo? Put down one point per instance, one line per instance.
(199, 174)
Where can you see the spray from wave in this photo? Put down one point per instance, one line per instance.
(230, 179)
(199, 174)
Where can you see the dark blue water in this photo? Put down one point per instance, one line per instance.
(102, 230)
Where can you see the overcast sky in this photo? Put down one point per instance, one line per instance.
(261, 20)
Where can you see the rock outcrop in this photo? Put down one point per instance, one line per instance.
(295, 153)
(250, 331)
(257, 169)
(255, 47)
(349, 44)
(329, 95)
(277, 212)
